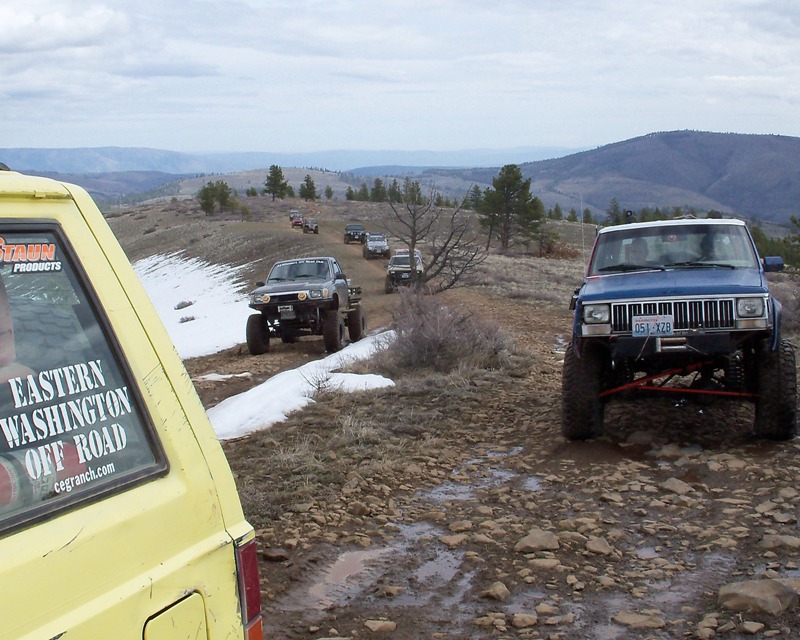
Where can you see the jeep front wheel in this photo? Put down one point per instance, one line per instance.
(333, 331)
(776, 405)
(257, 334)
(581, 407)
(356, 323)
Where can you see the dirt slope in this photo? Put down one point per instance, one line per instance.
(450, 507)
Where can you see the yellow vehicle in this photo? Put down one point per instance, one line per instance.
(119, 517)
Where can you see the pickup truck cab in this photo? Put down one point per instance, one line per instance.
(682, 307)
(119, 516)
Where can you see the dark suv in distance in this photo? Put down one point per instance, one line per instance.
(354, 233)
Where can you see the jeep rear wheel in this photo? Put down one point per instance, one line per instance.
(356, 323)
(581, 407)
(333, 331)
(776, 405)
(257, 334)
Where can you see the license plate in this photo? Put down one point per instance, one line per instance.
(286, 311)
(405, 275)
(660, 325)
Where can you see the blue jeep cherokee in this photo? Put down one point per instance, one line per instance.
(682, 307)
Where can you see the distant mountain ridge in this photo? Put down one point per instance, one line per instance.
(111, 159)
(745, 174)
(748, 175)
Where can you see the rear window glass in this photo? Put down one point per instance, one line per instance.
(71, 424)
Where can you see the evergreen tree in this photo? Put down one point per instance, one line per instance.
(378, 191)
(474, 198)
(275, 185)
(363, 193)
(507, 211)
(215, 192)
(328, 192)
(614, 212)
(207, 200)
(308, 190)
(349, 194)
(393, 193)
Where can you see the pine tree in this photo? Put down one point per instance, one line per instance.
(276, 185)
(308, 190)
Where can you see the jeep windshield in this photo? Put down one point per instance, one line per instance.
(672, 246)
(299, 270)
(403, 261)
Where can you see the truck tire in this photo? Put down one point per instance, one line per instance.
(257, 334)
(776, 405)
(333, 331)
(581, 407)
(356, 323)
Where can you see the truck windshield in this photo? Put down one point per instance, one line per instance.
(629, 248)
(299, 270)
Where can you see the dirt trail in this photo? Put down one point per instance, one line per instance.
(452, 507)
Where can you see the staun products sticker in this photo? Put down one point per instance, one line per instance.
(29, 257)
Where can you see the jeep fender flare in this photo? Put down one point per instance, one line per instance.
(777, 315)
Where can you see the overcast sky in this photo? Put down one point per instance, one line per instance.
(310, 75)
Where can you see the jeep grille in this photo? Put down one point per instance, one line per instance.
(686, 314)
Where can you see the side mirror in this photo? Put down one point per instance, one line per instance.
(573, 302)
(773, 263)
(340, 276)
(260, 283)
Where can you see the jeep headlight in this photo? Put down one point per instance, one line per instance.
(256, 298)
(596, 314)
(315, 294)
(750, 307)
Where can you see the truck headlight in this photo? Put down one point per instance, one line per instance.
(315, 293)
(750, 307)
(596, 314)
(259, 299)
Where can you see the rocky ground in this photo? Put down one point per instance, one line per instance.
(449, 506)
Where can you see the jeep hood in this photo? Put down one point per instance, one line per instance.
(673, 283)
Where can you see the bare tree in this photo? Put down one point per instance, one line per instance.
(450, 238)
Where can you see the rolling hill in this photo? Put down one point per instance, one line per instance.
(747, 175)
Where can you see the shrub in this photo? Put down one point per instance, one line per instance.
(432, 335)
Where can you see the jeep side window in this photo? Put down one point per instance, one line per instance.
(72, 426)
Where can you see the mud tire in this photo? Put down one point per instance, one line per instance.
(257, 334)
(333, 331)
(776, 405)
(356, 323)
(581, 406)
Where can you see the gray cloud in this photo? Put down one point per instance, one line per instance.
(312, 74)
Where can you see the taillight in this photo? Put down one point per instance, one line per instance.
(249, 590)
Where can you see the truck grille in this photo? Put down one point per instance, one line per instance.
(686, 314)
(283, 298)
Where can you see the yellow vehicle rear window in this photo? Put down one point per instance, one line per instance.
(71, 422)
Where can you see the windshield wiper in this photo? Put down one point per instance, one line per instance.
(627, 266)
(697, 263)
